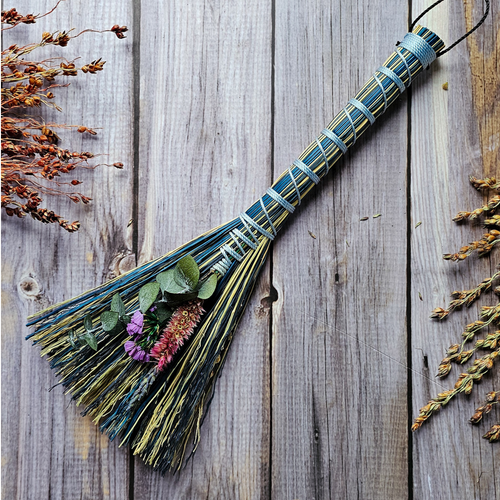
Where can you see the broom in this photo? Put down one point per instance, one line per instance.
(143, 351)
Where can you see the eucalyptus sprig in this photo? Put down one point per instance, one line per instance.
(86, 338)
(158, 299)
(183, 282)
(110, 319)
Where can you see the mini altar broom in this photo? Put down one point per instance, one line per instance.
(143, 352)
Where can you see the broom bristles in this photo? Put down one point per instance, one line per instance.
(162, 432)
(157, 413)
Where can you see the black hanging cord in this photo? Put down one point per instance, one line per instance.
(481, 21)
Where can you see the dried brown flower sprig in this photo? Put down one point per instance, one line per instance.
(13, 18)
(489, 315)
(465, 384)
(31, 154)
(488, 182)
(492, 398)
(494, 221)
(493, 203)
(464, 297)
(456, 353)
(482, 246)
(493, 435)
(489, 207)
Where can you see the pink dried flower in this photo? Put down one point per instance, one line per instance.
(179, 328)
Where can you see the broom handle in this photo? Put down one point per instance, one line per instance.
(265, 217)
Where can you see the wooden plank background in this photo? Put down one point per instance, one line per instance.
(206, 102)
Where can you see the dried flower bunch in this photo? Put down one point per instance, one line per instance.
(32, 160)
(490, 315)
(169, 309)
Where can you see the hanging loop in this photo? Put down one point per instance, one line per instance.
(481, 21)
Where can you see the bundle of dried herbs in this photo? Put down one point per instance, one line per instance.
(32, 160)
(489, 315)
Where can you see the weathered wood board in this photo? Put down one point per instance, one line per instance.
(48, 450)
(210, 120)
(338, 406)
(454, 134)
(206, 102)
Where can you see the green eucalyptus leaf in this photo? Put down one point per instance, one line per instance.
(208, 287)
(175, 299)
(90, 339)
(147, 295)
(87, 322)
(125, 319)
(117, 305)
(72, 339)
(163, 312)
(178, 289)
(167, 282)
(109, 320)
(187, 272)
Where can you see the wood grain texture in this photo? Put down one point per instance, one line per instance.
(205, 153)
(48, 450)
(213, 99)
(449, 129)
(339, 337)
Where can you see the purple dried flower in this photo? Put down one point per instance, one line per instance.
(136, 324)
(136, 352)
